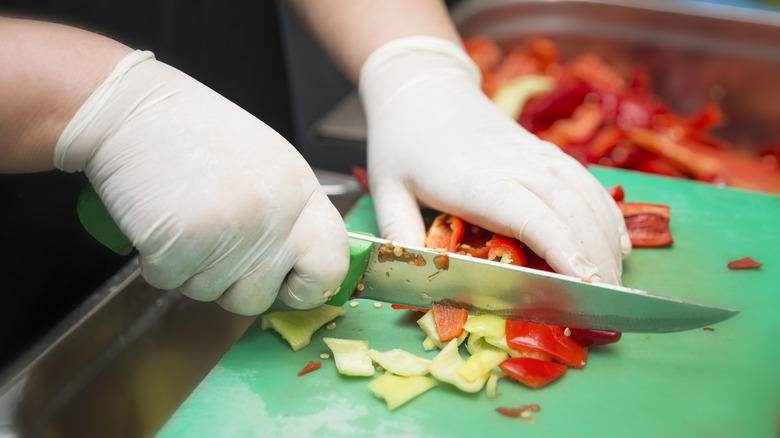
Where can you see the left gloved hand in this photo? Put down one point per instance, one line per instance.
(436, 140)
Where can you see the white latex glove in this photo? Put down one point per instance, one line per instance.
(435, 140)
(216, 202)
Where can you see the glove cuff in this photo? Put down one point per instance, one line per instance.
(418, 44)
(74, 158)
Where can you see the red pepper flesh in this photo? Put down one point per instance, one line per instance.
(648, 224)
(548, 339)
(744, 263)
(311, 366)
(449, 320)
(446, 232)
(592, 338)
(506, 250)
(533, 373)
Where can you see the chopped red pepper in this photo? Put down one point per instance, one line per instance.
(506, 250)
(598, 114)
(446, 232)
(361, 176)
(592, 338)
(617, 192)
(744, 263)
(311, 366)
(533, 373)
(548, 339)
(648, 224)
(518, 412)
(402, 307)
(449, 320)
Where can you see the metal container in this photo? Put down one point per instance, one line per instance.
(122, 363)
(694, 52)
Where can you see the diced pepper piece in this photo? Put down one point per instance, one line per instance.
(449, 321)
(617, 192)
(506, 250)
(402, 307)
(444, 367)
(487, 325)
(744, 263)
(533, 373)
(492, 383)
(400, 362)
(397, 390)
(361, 176)
(351, 356)
(547, 339)
(481, 363)
(297, 326)
(428, 325)
(647, 224)
(592, 338)
(446, 233)
(311, 366)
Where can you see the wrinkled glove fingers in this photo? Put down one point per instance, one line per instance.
(608, 217)
(398, 214)
(319, 237)
(520, 213)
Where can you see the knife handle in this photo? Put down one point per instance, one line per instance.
(94, 217)
(359, 254)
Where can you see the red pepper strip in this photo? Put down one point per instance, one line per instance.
(484, 51)
(648, 224)
(579, 129)
(617, 193)
(311, 366)
(475, 241)
(518, 62)
(402, 307)
(487, 54)
(593, 70)
(543, 49)
(591, 338)
(361, 176)
(603, 143)
(446, 232)
(506, 250)
(449, 320)
(745, 263)
(541, 112)
(533, 373)
(517, 412)
(548, 339)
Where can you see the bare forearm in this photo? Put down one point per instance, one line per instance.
(349, 30)
(46, 72)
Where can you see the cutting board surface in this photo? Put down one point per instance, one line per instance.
(699, 383)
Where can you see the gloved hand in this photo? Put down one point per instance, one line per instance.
(435, 140)
(216, 202)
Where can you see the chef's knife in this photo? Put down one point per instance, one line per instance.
(416, 277)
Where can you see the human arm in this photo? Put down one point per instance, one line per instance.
(48, 71)
(435, 140)
(217, 203)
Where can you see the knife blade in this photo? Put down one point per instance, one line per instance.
(416, 277)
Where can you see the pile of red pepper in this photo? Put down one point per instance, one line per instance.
(600, 116)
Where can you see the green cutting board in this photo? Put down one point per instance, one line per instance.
(723, 382)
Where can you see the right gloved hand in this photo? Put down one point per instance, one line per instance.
(217, 203)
